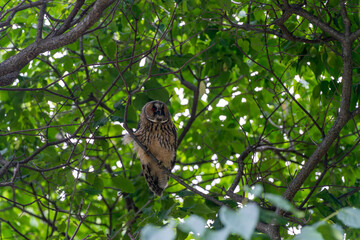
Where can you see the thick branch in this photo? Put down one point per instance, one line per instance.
(343, 117)
(240, 161)
(18, 8)
(10, 67)
(316, 21)
(71, 16)
(40, 22)
(192, 116)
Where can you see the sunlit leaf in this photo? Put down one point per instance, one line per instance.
(309, 232)
(194, 224)
(151, 232)
(243, 221)
(349, 216)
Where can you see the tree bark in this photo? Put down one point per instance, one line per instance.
(10, 68)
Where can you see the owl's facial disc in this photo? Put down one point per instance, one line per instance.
(158, 113)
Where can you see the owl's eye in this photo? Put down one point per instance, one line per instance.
(154, 109)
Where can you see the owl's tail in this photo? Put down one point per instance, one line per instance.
(156, 178)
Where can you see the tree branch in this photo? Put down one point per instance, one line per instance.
(192, 115)
(10, 68)
(343, 117)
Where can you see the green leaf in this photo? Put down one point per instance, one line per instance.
(211, 31)
(194, 224)
(116, 118)
(123, 184)
(156, 91)
(110, 49)
(331, 231)
(324, 87)
(257, 190)
(151, 232)
(118, 115)
(280, 202)
(136, 11)
(309, 232)
(334, 3)
(350, 217)
(256, 43)
(221, 234)
(316, 91)
(180, 235)
(129, 77)
(119, 104)
(244, 45)
(99, 119)
(324, 209)
(177, 61)
(101, 122)
(98, 184)
(243, 221)
(91, 191)
(140, 100)
(61, 226)
(4, 96)
(90, 178)
(200, 208)
(331, 199)
(185, 193)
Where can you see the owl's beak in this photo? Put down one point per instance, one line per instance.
(159, 112)
(160, 115)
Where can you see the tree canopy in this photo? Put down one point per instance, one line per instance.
(265, 96)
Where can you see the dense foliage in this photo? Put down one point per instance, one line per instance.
(264, 94)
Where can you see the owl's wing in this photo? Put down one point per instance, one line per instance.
(174, 131)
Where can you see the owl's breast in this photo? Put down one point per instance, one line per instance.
(163, 146)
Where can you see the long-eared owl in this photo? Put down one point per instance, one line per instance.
(157, 133)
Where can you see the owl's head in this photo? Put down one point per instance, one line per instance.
(156, 111)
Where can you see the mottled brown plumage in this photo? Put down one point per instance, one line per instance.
(157, 133)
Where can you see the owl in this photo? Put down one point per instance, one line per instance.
(157, 133)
